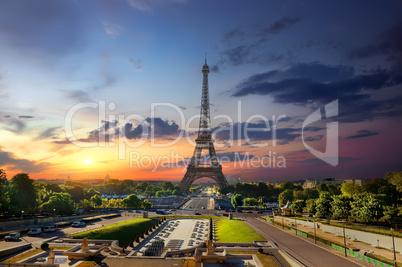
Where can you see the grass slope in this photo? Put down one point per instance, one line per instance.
(124, 231)
(235, 231)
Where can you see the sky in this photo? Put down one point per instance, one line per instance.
(298, 89)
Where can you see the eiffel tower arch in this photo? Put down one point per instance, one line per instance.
(197, 169)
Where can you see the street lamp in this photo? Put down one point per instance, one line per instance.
(344, 237)
(296, 224)
(315, 234)
(54, 210)
(22, 213)
(283, 225)
(393, 246)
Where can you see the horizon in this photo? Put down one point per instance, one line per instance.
(297, 90)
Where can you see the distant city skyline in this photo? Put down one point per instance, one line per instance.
(81, 83)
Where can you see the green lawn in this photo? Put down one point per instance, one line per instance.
(124, 231)
(235, 231)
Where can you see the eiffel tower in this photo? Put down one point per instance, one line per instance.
(196, 169)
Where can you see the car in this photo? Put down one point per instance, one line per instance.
(137, 211)
(130, 211)
(197, 213)
(163, 212)
(12, 236)
(77, 224)
(240, 211)
(203, 208)
(49, 228)
(225, 214)
(249, 211)
(34, 231)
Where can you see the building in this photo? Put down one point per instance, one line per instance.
(234, 180)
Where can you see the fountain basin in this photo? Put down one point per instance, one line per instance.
(76, 253)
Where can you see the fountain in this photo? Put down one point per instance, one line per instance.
(84, 246)
(83, 251)
(50, 258)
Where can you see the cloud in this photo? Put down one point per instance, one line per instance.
(105, 133)
(78, 95)
(274, 28)
(362, 133)
(257, 132)
(111, 28)
(146, 5)
(131, 132)
(388, 44)
(12, 124)
(49, 132)
(248, 44)
(26, 117)
(279, 25)
(8, 159)
(238, 55)
(138, 64)
(155, 128)
(163, 128)
(311, 83)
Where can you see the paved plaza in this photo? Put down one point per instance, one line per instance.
(179, 234)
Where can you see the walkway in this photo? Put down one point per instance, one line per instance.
(339, 239)
(301, 250)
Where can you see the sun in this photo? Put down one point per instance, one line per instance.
(87, 161)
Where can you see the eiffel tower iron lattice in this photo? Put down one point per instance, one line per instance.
(196, 169)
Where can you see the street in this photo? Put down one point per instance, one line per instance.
(305, 252)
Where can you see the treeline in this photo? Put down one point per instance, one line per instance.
(375, 200)
(21, 193)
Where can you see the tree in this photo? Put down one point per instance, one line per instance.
(132, 201)
(53, 188)
(146, 204)
(324, 205)
(298, 194)
(322, 188)
(59, 202)
(96, 200)
(3, 191)
(350, 189)
(285, 196)
(287, 185)
(341, 206)
(298, 206)
(90, 193)
(250, 201)
(176, 192)
(366, 207)
(311, 193)
(390, 213)
(84, 204)
(395, 178)
(161, 193)
(167, 186)
(237, 200)
(76, 192)
(22, 193)
(311, 206)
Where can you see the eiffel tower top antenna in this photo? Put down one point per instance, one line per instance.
(205, 58)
